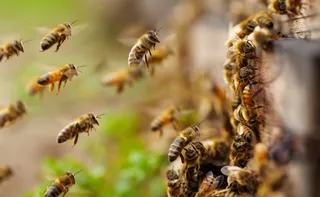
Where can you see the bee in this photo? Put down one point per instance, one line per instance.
(122, 77)
(192, 157)
(62, 74)
(173, 183)
(180, 142)
(263, 37)
(243, 77)
(158, 56)
(278, 7)
(61, 185)
(245, 27)
(83, 124)
(11, 48)
(217, 151)
(243, 48)
(294, 6)
(209, 184)
(144, 44)
(264, 19)
(228, 71)
(169, 115)
(11, 113)
(243, 177)
(56, 35)
(5, 173)
(34, 88)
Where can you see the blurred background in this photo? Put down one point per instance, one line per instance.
(123, 157)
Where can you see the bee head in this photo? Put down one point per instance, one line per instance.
(68, 26)
(71, 176)
(153, 36)
(19, 45)
(248, 47)
(251, 25)
(73, 69)
(93, 118)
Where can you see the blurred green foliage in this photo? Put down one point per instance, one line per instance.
(130, 170)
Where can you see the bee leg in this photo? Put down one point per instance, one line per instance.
(160, 132)
(65, 82)
(63, 78)
(182, 158)
(61, 40)
(51, 87)
(150, 51)
(75, 140)
(146, 61)
(120, 88)
(65, 192)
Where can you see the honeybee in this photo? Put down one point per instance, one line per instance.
(294, 6)
(62, 74)
(61, 185)
(56, 35)
(262, 37)
(158, 56)
(278, 7)
(243, 48)
(180, 142)
(209, 184)
(217, 151)
(243, 177)
(169, 115)
(173, 183)
(191, 158)
(11, 113)
(10, 49)
(245, 27)
(124, 76)
(34, 88)
(5, 173)
(143, 45)
(228, 71)
(83, 124)
(264, 19)
(243, 77)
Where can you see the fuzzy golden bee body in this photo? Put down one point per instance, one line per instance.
(278, 7)
(186, 136)
(83, 124)
(173, 183)
(209, 184)
(11, 48)
(5, 173)
(34, 88)
(62, 74)
(192, 157)
(122, 77)
(60, 185)
(158, 56)
(57, 35)
(144, 45)
(11, 113)
(169, 115)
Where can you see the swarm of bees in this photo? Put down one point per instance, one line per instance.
(234, 163)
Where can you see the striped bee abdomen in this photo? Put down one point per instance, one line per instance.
(49, 40)
(66, 133)
(53, 191)
(175, 148)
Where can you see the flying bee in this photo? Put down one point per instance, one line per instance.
(209, 184)
(83, 124)
(57, 35)
(34, 88)
(173, 183)
(244, 177)
(12, 48)
(122, 77)
(158, 56)
(180, 142)
(61, 185)
(62, 74)
(169, 115)
(5, 173)
(11, 113)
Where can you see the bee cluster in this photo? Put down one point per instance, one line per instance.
(235, 162)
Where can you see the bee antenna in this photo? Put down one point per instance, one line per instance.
(82, 66)
(77, 172)
(99, 116)
(200, 122)
(79, 71)
(159, 29)
(74, 22)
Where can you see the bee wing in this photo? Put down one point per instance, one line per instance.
(9, 38)
(128, 41)
(226, 170)
(76, 30)
(43, 30)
